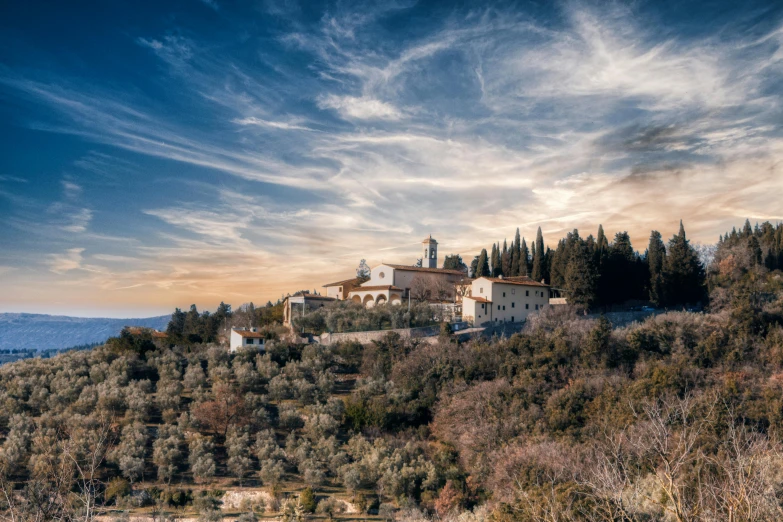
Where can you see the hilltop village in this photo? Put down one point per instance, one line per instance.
(476, 301)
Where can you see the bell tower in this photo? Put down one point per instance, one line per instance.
(430, 259)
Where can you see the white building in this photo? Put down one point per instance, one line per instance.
(501, 300)
(390, 283)
(341, 289)
(243, 337)
(301, 304)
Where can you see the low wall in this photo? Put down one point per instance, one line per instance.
(376, 335)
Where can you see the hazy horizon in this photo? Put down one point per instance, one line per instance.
(157, 156)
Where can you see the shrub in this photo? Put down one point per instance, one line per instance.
(307, 500)
(117, 489)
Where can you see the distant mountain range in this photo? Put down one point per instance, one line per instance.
(42, 332)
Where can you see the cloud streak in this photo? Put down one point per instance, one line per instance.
(322, 143)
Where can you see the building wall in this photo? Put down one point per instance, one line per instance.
(510, 303)
(334, 291)
(377, 280)
(236, 342)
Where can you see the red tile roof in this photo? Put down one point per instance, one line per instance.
(518, 280)
(354, 280)
(314, 296)
(377, 287)
(249, 334)
(478, 299)
(426, 269)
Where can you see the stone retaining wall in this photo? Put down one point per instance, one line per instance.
(375, 335)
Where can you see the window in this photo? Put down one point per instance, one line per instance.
(527, 292)
(249, 341)
(481, 290)
(512, 305)
(498, 307)
(512, 318)
(504, 307)
(504, 294)
(513, 291)
(381, 275)
(482, 306)
(425, 254)
(536, 307)
(432, 254)
(527, 306)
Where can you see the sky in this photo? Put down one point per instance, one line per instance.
(161, 154)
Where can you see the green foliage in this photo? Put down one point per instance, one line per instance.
(117, 489)
(307, 500)
(348, 316)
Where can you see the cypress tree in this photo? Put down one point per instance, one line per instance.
(683, 273)
(601, 243)
(746, 230)
(656, 258)
(524, 259)
(505, 259)
(497, 270)
(557, 268)
(482, 267)
(515, 263)
(580, 276)
(755, 250)
(538, 257)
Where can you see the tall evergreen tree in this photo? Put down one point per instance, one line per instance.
(683, 273)
(538, 258)
(497, 269)
(524, 259)
(482, 267)
(580, 276)
(656, 259)
(601, 244)
(558, 265)
(505, 258)
(515, 255)
(747, 231)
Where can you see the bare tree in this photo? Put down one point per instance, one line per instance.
(66, 483)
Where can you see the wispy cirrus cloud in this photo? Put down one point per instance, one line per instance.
(318, 143)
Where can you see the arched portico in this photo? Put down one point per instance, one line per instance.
(356, 299)
(396, 299)
(368, 301)
(381, 299)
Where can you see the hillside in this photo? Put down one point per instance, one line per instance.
(42, 332)
(676, 417)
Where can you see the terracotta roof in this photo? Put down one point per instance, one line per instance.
(478, 299)
(425, 269)
(160, 335)
(314, 296)
(249, 334)
(377, 287)
(520, 280)
(428, 239)
(344, 282)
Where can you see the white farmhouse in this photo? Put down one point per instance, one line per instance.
(242, 337)
(501, 300)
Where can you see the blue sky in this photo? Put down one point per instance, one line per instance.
(167, 153)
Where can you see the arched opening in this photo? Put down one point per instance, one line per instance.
(396, 299)
(380, 300)
(356, 299)
(368, 301)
